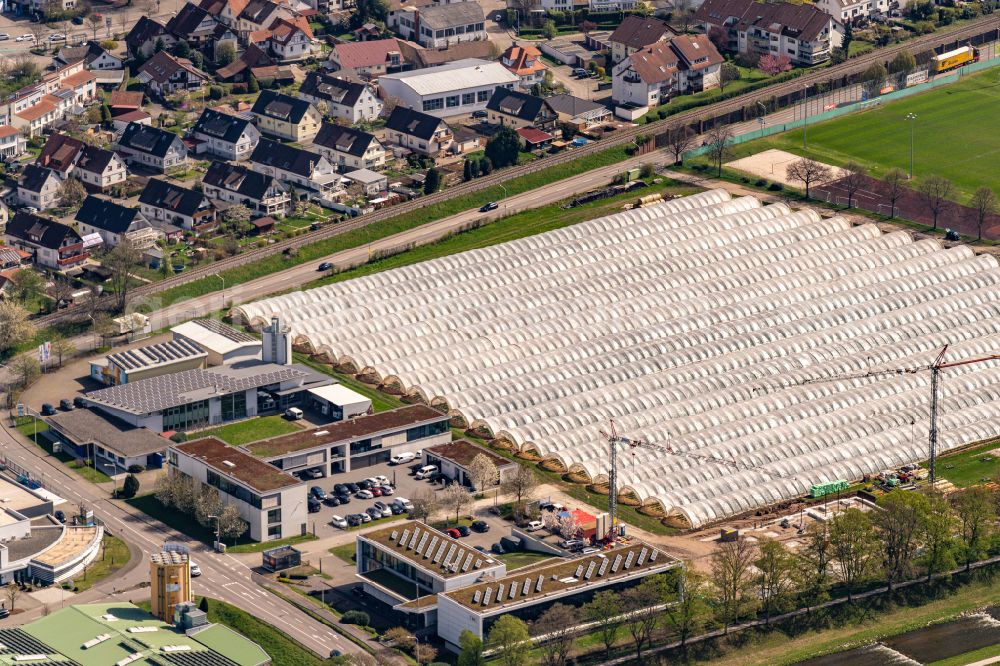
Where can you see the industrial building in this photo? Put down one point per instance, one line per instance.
(454, 459)
(453, 89)
(150, 361)
(739, 336)
(223, 344)
(106, 440)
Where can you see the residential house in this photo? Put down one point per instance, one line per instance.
(259, 15)
(804, 33)
(193, 25)
(95, 167)
(123, 101)
(854, 11)
(164, 74)
(52, 245)
(418, 132)
(93, 55)
(286, 117)
(418, 57)
(637, 32)
(349, 100)
(368, 59)
(226, 11)
(250, 62)
(151, 147)
(115, 223)
(12, 258)
(306, 171)
(348, 148)
(436, 26)
(292, 40)
(66, 89)
(524, 61)
(581, 113)
(38, 187)
(371, 182)
(237, 184)
(454, 89)
(518, 109)
(12, 142)
(651, 76)
(144, 36)
(225, 136)
(189, 209)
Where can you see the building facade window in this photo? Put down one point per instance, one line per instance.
(427, 430)
(433, 104)
(184, 417)
(234, 406)
(273, 516)
(226, 486)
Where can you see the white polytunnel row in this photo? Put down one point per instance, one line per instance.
(752, 340)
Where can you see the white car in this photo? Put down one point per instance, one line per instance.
(364, 494)
(25, 38)
(57, 37)
(535, 525)
(402, 458)
(337, 521)
(381, 480)
(4, 36)
(195, 570)
(403, 502)
(384, 508)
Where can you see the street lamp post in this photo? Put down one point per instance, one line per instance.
(223, 291)
(217, 529)
(502, 187)
(912, 118)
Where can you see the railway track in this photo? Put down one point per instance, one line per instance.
(723, 109)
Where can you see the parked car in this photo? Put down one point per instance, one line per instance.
(550, 506)
(590, 550)
(381, 480)
(534, 525)
(454, 533)
(4, 612)
(325, 266)
(401, 458)
(337, 521)
(480, 549)
(374, 513)
(48, 410)
(426, 471)
(25, 38)
(354, 520)
(479, 114)
(340, 489)
(384, 508)
(317, 493)
(951, 235)
(497, 548)
(580, 72)
(195, 569)
(344, 498)
(294, 414)
(396, 509)
(376, 491)
(573, 545)
(4, 36)
(480, 526)
(352, 487)
(464, 530)
(79, 402)
(331, 500)
(60, 516)
(387, 490)
(365, 518)
(314, 505)
(487, 207)
(66, 405)
(403, 502)
(57, 37)
(364, 494)
(365, 484)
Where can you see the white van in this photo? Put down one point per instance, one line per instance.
(402, 458)
(294, 413)
(426, 471)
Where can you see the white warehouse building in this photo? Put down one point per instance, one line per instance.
(453, 89)
(716, 326)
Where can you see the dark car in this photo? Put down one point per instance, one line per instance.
(344, 499)
(77, 20)
(48, 410)
(331, 500)
(373, 512)
(497, 548)
(317, 492)
(365, 484)
(479, 114)
(487, 207)
(60, 516)
(340, 489)
(79, 401)
(314, 505)
(4, 612)
(952, 235)
(66, 405)
(353, 487)
(480, 526)
(354, 520)
(480, 549)
(463, 530)
(325, 266)
(397, 509)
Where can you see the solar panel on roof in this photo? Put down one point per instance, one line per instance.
(402, 539)
(499, 592)
(617, 563)
(430, 547)
(476, 596)
(423, 542)
(479, 563)
(440, 553)
(578, 572)
(590, 570)
(413, 540)
(526, 587)
(451, 552)
(628, 560)
(488, 596)
(538, 584)
(642, 557)
(468, 563)
(513, 591)
(604, 567)
(652, 555)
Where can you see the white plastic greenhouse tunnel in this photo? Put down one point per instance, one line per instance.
(716, 326)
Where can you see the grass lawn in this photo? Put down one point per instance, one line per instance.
(283, 650)
(346, 552)
(267, 545)
(969, 467)
(380, 401)
(113, 557)
(27, 425)
(518, 560)
(879, 139)
(252, 430)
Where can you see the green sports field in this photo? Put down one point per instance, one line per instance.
(956, 135)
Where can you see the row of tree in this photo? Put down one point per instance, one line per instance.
(184, 494)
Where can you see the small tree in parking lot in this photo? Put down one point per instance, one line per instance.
(483, 472)
(425, 503)
(456, 498)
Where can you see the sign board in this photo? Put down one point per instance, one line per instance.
(20, 409)
(107, 22)
(887, 89)
(916, 77)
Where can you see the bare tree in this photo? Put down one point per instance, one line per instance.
(62, 347)
(425, 503)
(895, 186)
(522, 484)
(71, 193)
(231, 525)
(13, 592)
(852, 179)
(732, 576)
(557, 624)
(95, 22)
(936, 192)
(123, 260)
(984, 203)
(719, 141)
(680, 139)
(728, 73)
(809, 172)
(483, 472)
(38, 31)
(24, 369)
(456, 498)
(684, 10)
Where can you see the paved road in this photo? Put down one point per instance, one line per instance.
(224, 576)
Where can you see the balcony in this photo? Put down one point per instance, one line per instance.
(72, 260)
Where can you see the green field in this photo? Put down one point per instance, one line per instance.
(251, 430)
(969, 467)
(956, 135)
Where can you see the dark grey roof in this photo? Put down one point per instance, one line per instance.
(34, 177)
(805, 22)
(94, 159)
(287, 158)
(154, 394)
(519, 105)
(330, 88)
(572, 105)
(185, 22)
(258, 11)
(41, 231)
(146, 139)
(106, 215)
(86, 426)
(239, 179)
(344, 139)
(413, 123)
(451, 15)
(144, 30)
(228, 332)
(161, 353)
(280, 106)
(161, 194)
(636, 32)
(220, 125)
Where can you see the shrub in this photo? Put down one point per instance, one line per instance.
(136, 469)
(359, 618)
(178, 437)
(775, 187)
(239, 88)
(760, 182)
(109, 45)
(216, 92)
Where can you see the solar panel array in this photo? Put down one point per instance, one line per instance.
(413, 540)
(156, 354)
(488, 597)
(202, 658)
(604, 566)
(642, 557)
(590, 570)
(17, 641)
(578, 572)
(527, 587)
(538, 585)
(430, 547)
(423, 542)
(402, 539)
(618, 561)
(628, 560)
